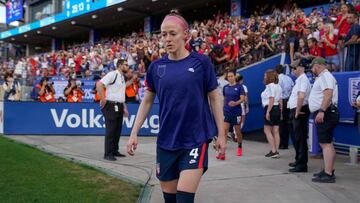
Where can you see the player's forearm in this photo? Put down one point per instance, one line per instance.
(327, 99)
(143, 111)
(216, 104)
(241, 100)
(300, 101)
(271, 104)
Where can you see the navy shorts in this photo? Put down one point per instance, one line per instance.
(233, 120)
(169, 164)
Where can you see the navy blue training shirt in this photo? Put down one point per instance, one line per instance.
(182, 88)
(232, 93)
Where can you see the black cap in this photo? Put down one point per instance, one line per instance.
(304, 62)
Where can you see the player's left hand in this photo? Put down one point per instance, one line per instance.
(220, 144)
(232, 103)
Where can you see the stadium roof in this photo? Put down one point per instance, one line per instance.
(109, 18)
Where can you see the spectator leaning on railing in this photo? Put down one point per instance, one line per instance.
(352, 43)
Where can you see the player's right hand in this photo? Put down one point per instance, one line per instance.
(132, 144)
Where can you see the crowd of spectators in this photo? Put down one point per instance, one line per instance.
(232, 42)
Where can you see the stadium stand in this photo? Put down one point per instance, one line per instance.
(233, 42)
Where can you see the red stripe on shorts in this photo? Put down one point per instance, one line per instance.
(201, 162)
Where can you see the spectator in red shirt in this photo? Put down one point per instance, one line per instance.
(341, 21)
(223, 33)
(231, 51)
(204, 49)
(303, 50)
(213, 38)
(344, 27)
(329, 42)
(78, 61)
(314, 49)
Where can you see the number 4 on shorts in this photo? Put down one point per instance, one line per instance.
(194, 153)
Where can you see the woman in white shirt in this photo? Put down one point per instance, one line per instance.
(272, 103)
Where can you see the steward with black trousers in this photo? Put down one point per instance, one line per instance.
(113, 107)
(286, 85)
(299, 115)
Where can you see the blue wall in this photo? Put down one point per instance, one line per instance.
(68, 119)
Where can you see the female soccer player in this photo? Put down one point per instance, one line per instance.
(186, 86)
(234, 95)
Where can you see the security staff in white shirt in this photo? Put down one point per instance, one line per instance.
(113, 107)
(323, 102)
(272, 103)
(286, 84)
(299, 115)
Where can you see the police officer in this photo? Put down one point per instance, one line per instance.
(113, 107)
(323, 101)
(299, 115)
(286, 84)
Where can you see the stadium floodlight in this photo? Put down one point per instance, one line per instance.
(94, 16)
(53, 27)
(73, 22)
(119, 9)
(39, 32)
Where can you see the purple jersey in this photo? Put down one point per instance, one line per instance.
(182, 88)
(232, 93)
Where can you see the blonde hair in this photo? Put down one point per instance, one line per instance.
(331, 29)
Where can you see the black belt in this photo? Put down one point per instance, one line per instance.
(331, 109)
(294, 109)
(114, 102)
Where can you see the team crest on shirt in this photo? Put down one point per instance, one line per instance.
(354, 88)
(191, 70)
(161, 70)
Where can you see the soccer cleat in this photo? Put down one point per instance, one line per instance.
(220, 156)
(239, 151)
